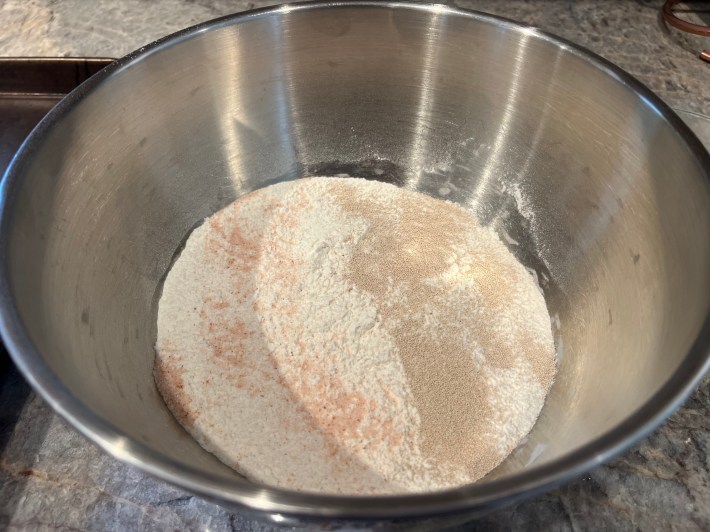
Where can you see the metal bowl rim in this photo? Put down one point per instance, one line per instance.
(474, 497)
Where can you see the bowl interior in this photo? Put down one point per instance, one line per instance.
(590, 183)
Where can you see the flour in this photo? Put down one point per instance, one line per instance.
(346, 336)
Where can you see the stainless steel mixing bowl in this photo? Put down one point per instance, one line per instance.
(596, 184)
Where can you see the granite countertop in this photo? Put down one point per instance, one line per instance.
(53, 478)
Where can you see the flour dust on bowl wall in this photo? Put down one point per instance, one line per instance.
(567, 168)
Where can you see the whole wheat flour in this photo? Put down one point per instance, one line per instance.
(347, 336)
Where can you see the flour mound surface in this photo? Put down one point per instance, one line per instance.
(346, 336)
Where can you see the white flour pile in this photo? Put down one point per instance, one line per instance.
(347, 336)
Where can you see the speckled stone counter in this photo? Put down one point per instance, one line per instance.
(53, 478)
